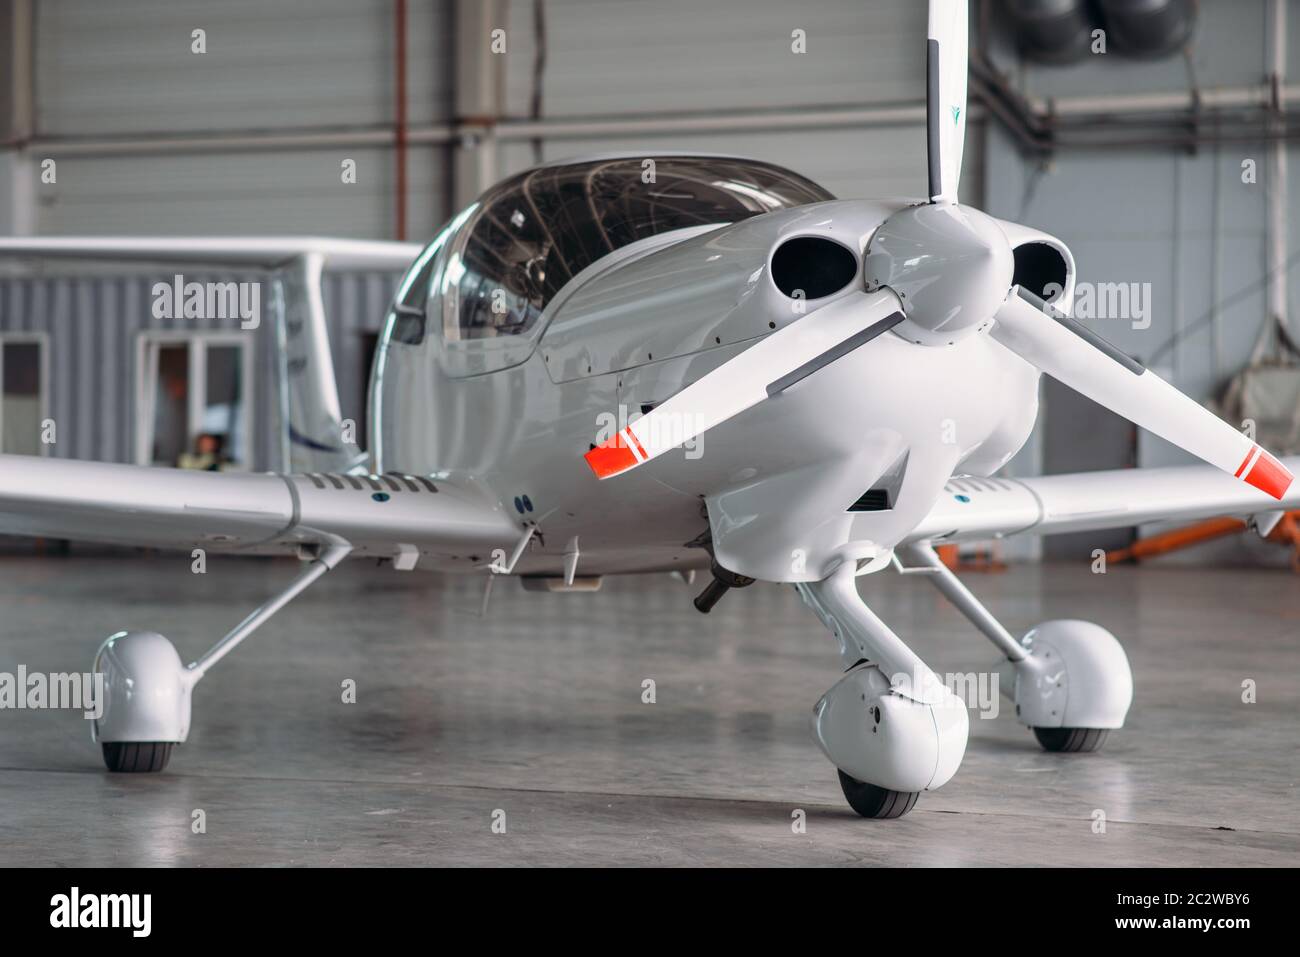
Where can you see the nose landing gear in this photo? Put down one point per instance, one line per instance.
(888, 725)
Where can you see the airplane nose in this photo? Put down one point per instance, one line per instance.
(950, 265)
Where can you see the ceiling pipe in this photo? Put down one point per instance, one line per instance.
(399, 118)
(1247, 97)
(1277, 174)
(1040, 113)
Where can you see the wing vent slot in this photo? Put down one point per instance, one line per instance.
(973, 484)
(391, 482)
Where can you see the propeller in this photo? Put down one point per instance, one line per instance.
(935, 273)
(1078, 357)
(945, 96)
(765, 369)
(834, 330)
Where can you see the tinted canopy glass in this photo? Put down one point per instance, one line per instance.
(538, 230)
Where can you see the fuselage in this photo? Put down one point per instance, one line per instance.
(843, 464)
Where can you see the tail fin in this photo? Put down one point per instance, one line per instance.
(313, 434)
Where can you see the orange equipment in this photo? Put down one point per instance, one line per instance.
(1286, 532)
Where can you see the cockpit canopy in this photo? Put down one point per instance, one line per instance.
(532, 233)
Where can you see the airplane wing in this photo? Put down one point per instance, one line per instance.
(981, 508)
(312, 427)
(404, 517)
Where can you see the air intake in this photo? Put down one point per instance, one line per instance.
(809, 267)
(1042, 269)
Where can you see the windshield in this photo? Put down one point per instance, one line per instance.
(536, 231)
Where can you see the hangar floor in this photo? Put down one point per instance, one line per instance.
(536, 710)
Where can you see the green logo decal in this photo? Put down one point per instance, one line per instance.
(956, 114)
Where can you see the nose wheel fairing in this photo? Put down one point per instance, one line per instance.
(889, 721)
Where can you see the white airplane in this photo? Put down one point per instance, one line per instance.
(679, 362)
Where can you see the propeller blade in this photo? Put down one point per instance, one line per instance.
(765, 369)
(1087, 363)
(945, 97)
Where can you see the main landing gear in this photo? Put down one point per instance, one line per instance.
(1069, 679)
(146, 707)
(893, 729)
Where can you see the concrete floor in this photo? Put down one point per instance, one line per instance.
(536, 711)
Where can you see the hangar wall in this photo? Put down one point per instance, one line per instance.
(283, 93)
(248, 137)
(90, 329)
(688, 60)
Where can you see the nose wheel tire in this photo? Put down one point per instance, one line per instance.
(1071, 740)
(876, 802)
(136, 756)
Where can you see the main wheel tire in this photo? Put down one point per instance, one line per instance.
(132, 756)
(876, 802)
(1071, 740)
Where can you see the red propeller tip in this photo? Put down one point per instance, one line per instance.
(612, 457)
(1268, 475)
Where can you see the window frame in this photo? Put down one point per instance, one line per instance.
(450, 306)
(41, 339)
(146, 385)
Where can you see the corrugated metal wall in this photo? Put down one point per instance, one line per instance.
(620, 58)
(126, 68)
(93, 322)
(286, 192)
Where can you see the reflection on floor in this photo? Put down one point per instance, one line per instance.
(537, 711)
